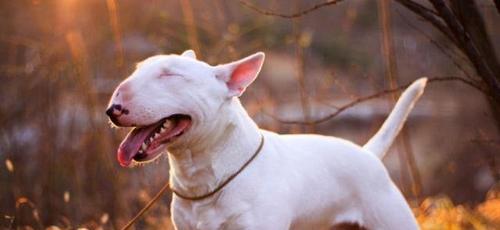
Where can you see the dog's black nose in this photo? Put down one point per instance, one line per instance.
(114, 111)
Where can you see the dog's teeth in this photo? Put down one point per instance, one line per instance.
(140, 151)
(167, 124)
(157, 135)
(162, 130)
(150, 139)
(144, 146)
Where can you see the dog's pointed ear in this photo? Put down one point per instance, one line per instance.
(189, 54)
(240, 74)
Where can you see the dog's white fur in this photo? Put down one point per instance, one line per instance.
(296, 182)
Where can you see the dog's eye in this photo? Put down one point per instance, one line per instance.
(165, 75)
(168, 75)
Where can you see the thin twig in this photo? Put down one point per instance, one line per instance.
(353, 103)
(146, 208)
(289, 16)
(494, 142)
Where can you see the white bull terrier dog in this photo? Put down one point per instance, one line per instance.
(226, 173)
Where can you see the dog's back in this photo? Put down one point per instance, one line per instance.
(345, 182)
(324, 180)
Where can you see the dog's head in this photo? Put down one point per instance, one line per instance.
(174, 99)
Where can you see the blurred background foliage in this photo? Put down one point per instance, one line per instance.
(61, 59)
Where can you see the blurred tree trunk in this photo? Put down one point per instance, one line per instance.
(406, 157)
(462, 23)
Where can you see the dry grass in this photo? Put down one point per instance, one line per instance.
(433, 213)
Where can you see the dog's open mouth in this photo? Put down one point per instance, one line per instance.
(146, 143)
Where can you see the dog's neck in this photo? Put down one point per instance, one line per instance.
(197, 170)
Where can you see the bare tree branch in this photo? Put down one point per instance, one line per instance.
(289, 16)
(469, 47)
(441, 48)
(471, 19)
(359, 100)
(428, 15)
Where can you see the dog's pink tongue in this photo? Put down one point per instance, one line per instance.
(131, 144)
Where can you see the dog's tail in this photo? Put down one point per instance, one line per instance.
(382, 140)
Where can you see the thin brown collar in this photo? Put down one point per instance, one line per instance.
(229, 179)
